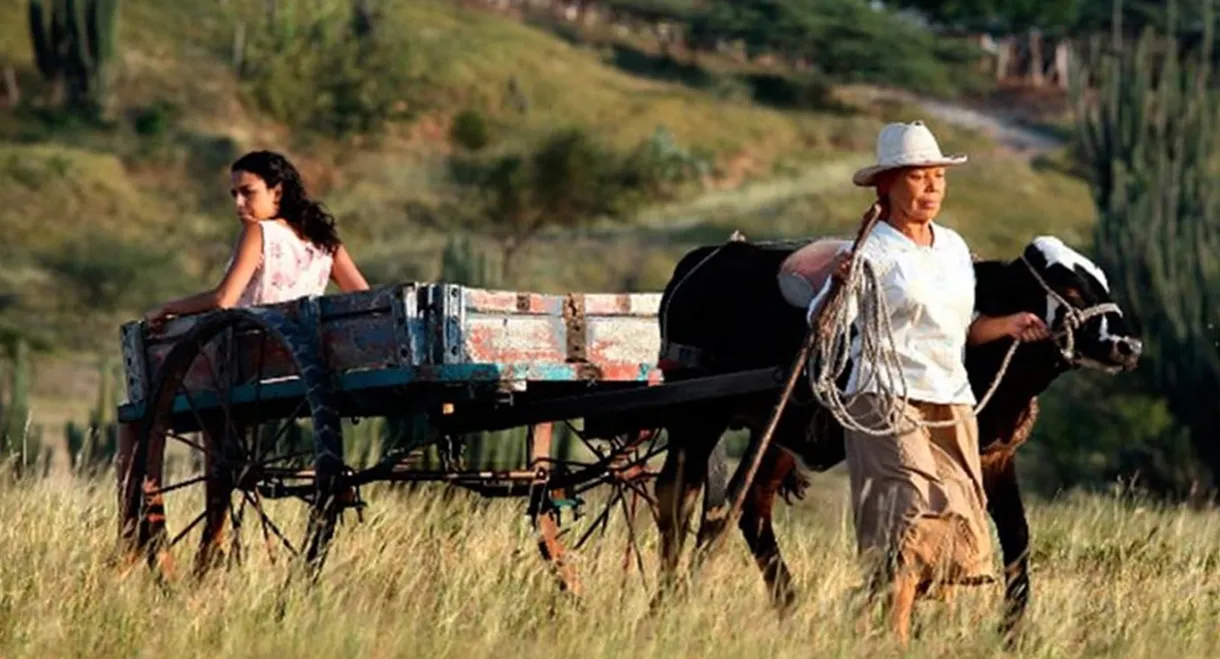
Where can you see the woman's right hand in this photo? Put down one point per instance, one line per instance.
(842, 267)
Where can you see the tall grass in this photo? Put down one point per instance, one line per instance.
(433, 575)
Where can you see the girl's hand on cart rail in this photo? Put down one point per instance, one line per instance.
(155, 319)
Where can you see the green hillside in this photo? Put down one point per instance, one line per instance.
(103, 221)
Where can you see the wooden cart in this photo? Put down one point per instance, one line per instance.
(442, 360)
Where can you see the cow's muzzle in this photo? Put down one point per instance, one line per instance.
(1125, 352)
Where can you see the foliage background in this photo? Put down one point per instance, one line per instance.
(533, 152)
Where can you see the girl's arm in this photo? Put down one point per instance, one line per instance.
(345, 274)
(246, 259)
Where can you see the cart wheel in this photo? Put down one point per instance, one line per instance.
(621, 465)
(213, 382)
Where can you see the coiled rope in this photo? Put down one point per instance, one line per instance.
(831, 353)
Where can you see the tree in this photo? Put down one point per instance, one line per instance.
(1152, 138)
(565, 181)
(1075, 17)
(848, 39)
(999, 17)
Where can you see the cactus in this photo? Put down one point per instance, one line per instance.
(362, 442)
(76, 439)
(1151, 138)
(107, 404)
(92, 449)
(288, 440)
(462, 264)
(239, 47)
(17, 411)
(364, 19)
(14, 423)
(73, 46)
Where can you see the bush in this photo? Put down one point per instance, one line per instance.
(1131, 436)
(104, 273)
(809, 92)
(659, 165)
(848, 40)
(156, 119)
(470, 130)
(321, 68)
(731, 89)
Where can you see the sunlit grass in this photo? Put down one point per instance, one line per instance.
(432, 575)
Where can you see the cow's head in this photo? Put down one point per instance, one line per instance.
(1089, 327)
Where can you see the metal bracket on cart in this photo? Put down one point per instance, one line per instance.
(542, 502)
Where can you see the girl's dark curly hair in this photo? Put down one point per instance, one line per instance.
(307, 216)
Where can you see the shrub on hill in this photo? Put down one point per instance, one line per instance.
(323, 67)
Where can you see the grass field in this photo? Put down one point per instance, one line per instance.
(428, 575)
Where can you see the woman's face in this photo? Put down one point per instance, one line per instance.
(916, 193)
(253, 200)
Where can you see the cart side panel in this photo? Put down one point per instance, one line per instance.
(622, 329)
(135, 362)
(375, 329)
(360, 331)
(561, 337)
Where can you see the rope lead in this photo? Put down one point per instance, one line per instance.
(831, 353)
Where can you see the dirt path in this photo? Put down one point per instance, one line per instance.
(1020, 138)
(1024, 140)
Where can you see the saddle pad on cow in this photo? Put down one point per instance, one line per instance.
(804, 272)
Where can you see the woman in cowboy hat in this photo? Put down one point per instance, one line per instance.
(917, 492)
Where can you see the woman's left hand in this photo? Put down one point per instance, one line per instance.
(1027, 327)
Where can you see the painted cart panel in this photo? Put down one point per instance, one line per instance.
(423, 332)
(576, 336)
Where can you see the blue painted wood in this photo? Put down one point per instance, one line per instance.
(359, 381)
(416, 334)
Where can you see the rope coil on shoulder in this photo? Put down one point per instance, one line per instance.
(831, 353)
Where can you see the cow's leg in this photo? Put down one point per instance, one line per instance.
(1004, 504)
(677, 485)
(755, 521)
(756, 525)
(714, 515)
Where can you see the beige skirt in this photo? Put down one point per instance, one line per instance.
(917, 498)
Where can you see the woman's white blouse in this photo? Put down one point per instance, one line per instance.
(930, 294)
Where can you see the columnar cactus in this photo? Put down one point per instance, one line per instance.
(1152, 136)
(73, 45)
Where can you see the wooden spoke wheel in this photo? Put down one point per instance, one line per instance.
(208, 475)
(619, 466)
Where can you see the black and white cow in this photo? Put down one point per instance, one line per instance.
(723, 304)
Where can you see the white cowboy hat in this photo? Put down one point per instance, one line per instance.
(905, 145)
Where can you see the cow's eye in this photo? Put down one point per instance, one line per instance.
(1073, 295)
